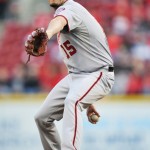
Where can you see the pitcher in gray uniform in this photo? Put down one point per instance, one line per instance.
(86, 54)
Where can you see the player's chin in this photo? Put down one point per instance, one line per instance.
(55, 6)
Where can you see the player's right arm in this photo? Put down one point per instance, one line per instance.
(55, 26)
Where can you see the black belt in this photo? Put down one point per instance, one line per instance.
(110, 69)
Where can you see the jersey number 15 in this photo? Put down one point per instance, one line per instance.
(68, 49)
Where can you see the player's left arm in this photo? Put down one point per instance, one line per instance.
(56, 25)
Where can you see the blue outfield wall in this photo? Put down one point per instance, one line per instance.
(124, 123)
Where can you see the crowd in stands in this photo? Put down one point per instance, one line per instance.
(126, 23)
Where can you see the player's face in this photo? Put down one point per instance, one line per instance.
(56, 3)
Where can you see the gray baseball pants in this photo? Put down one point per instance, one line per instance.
(67, 100)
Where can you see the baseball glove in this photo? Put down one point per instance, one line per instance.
(36, 43)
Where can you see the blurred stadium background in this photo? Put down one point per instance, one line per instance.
(125, 121)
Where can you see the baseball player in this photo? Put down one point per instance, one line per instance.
(86, 54)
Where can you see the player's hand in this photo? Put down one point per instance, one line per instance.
(90, 111)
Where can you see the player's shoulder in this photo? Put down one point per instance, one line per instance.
(62, 8)
(59, 10)
(69, 4)
(69, 7)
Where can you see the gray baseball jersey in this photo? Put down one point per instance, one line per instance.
(84, 47)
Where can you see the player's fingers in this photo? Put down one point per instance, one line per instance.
(34, 33)
(95, 112)
(89, 117)
(30, 38)
(91, 121)
(41, 30)
(29, 45)
(91, 110)
(26, 44)
(89, 114)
